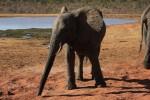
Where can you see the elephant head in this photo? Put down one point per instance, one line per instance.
(145, 19)
(63, 31)
(66, 28)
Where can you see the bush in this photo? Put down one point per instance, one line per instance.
(53, 6)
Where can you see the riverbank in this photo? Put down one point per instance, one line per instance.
(26, 33)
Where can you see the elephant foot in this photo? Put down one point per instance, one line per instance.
(146, 65)
(71, 86)
(92, 77)
(100, 85)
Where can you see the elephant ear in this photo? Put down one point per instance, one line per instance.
(64, 10)
(92, 16)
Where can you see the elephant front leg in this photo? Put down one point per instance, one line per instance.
(98, 51)
(80, 67)
(97, 73)
(70, 68)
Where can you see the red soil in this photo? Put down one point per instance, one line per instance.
(22, 63)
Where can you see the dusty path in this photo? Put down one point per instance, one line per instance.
(22, 62)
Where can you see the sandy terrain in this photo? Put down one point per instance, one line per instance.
(22, 63)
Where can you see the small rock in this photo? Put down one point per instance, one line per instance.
(26, 37)
(124, 77)
(110, 82)
(126, 72)
(10, 93)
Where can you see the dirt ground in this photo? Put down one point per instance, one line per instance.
(22, 63)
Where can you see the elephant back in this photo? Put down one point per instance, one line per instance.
(92, 16)
(146, 13)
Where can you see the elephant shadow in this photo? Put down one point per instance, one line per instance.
(68, 95)
(144, 82)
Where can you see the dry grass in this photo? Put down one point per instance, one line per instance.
(28, 15)
(127, 16)
(124, 16)
(54, 6)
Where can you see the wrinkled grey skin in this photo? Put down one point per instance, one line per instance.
(146, 36)
(82, 31)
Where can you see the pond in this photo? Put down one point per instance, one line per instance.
(44, 22)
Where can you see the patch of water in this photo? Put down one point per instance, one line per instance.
(26, 22)
(44, 22)
(112, 21)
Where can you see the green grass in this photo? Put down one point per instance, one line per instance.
(33, 32)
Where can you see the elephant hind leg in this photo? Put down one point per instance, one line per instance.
(97, 73)
(80, 67)
(98, 51)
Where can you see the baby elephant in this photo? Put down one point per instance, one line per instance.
(82, 30)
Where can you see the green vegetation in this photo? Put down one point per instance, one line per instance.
(53, 6)
(20, 33)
